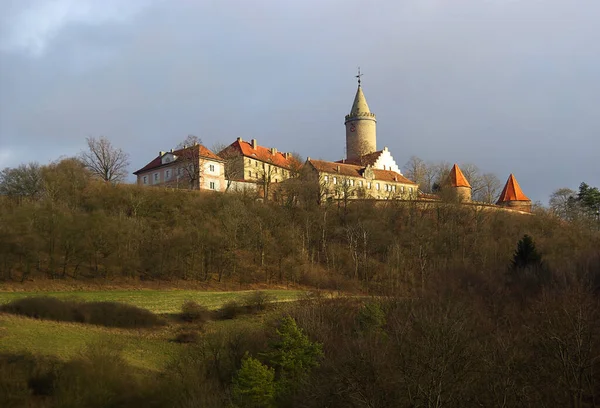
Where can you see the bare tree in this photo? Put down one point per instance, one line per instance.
(563, 203)
(23, 181)
(191, 161)
(489, 190)
(104, 160)
(234, 163)
(415, 169)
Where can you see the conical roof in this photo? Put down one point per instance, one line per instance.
(512, 191)
(360, 103)
(457, 178)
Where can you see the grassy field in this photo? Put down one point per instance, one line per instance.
(143, 348)
(157, 301)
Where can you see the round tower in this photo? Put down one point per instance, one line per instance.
(361, 127)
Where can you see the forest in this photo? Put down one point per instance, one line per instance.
(436, 306)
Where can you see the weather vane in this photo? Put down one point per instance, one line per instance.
(358, 76)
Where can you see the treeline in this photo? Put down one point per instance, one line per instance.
(77, 227)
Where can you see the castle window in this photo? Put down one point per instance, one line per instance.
(360, 183)
(369, 185)
(377, 186)
(334, 180)
(212, 185)
(326, 178)
(394, 188)
(211, 167)
(410, 189)
(352, 183)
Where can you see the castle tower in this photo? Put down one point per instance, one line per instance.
(361, 131)
(459, 183)
(512, 196)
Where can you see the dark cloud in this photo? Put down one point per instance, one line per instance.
(508, 85)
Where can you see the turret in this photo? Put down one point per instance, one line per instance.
(361, 127)
(459, 184)
(512, 196)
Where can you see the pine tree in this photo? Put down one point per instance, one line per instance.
(254, 386)
(526, 254)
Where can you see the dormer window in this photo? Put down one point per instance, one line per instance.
(167, 158)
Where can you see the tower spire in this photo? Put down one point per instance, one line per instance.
(358, 76)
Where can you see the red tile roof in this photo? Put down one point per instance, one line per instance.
(203, 152)
(512, 191)
(457, 178)
(261, 153)
(352, 170)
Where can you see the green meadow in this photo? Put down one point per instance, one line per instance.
(157, 301)
(143, 348)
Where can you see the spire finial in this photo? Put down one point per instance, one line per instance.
(358, 76)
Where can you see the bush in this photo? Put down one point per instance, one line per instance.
(258, 300)
(230, 310)
(187, 337)
(110, 314)
(194, 313)
(114, 314)
(44, 307)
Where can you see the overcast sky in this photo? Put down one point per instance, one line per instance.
(508, 85)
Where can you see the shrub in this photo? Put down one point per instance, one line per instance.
(230, 310)
(258, 300)
(110, 314)
(114, 314)
(371, 318)
(186, 337)
(193, 312)
(43, 307)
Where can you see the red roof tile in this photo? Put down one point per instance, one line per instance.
(261, 153)
(202, 153)
(457, 178)
(512, 191)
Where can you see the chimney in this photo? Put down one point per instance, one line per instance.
(185, 146)
(239, 139)
(385, 149)
(273, 150)
(171, 150)
(254, 144)
(308, 158)
(288, 155)
(161, 153)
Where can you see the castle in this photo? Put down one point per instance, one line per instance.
(365, 173)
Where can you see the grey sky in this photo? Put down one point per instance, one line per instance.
(511, 86)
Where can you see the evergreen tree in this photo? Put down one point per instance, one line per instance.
(527, 270)
(526, 254)
(254, 386)
(293, 355)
